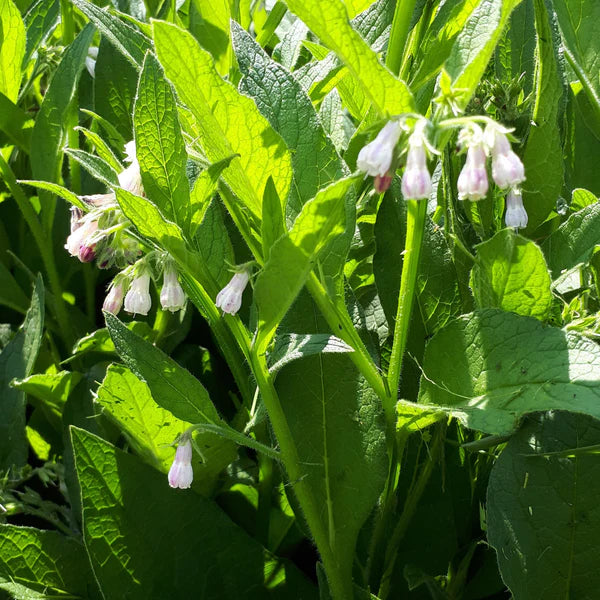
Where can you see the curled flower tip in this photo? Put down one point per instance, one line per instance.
(507, 168)
(229, 299)
(172, 296)
(376, 157)
(130, 179)
(416, 181)
(114, 299)
(472, 181)
(382, 183)
(138, 300)
(181, 473)
(516, 215)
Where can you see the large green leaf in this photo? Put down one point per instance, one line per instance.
(579, 22)
(12, 49)
(228, 122)
(574, 241)
(48, 131)
(15, 123)
(490, 368)
(293, 256)
(159, 144)
(281, 99)
(211, 28)
(148, 541)
(16, 362)
(172, 386)
(11, 294)
(475, 44)
(510, 273)
(542, 512)
(328, 19)
(543, 157)
(40, 20)
(338, 428)
(44, 562)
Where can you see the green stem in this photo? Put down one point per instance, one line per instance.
(45, 247)
(277, 13)
(399, 34)
(342, 326)
(67, 22)
(415, 226)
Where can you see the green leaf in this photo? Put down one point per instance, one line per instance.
(475, 44)
(40, 20)
(126, 39)
(328, 20)
(574, 241)
(510, 273)
(99, 340)
(150, 429)
(95, 166)
(45, 563)
(293, 346)
(12, 49)
(337, 425)
(581, 198)
(273, 224)
(314, 158)
(293, 256)
(579, 24)
(542, 512)
(15, 123)
(48, 131)
(490, 368)
(59, 190)
(16, 362)
(543, 157)
(159, 144)
(216, 105)
(11, 294)
(172, 386)
(115, 85)
(102, 149)
(129, 511)
(211, 28)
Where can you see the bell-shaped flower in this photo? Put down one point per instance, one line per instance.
(516, 215)
(507, 168)
(229, 299)
(90, 61)
(114, 299)
(181, 473)
(131, 179)
(81, 242)
(416, 181)
(376, 157)
(473, 182)
(172, 296)
(138, 300)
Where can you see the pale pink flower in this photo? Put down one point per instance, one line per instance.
(376, 157)
(181, 473)
(138, 300)
(229, 299)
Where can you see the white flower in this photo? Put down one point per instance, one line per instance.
(90, 60)
(181, 473)
(131, 179)
(416, 181)
(507, 168)
(516, 215)
(80, 242)
(229, 299)
(172, 296)
(376, 157)
(138, 300)
(114, 299)
(472, 181)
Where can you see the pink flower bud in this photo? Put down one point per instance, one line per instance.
(472, 181)
(114, 299)
(172, 296)
(382, 183)
(87, 253)
(507, 168)
(516, 215)
(416, 181)
(78, 243)
(138, 300)
(181, 473)
(229, 299)
(376, 157)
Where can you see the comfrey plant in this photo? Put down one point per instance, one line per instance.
(349, 281)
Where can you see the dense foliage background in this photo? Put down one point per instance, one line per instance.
(406, 404)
